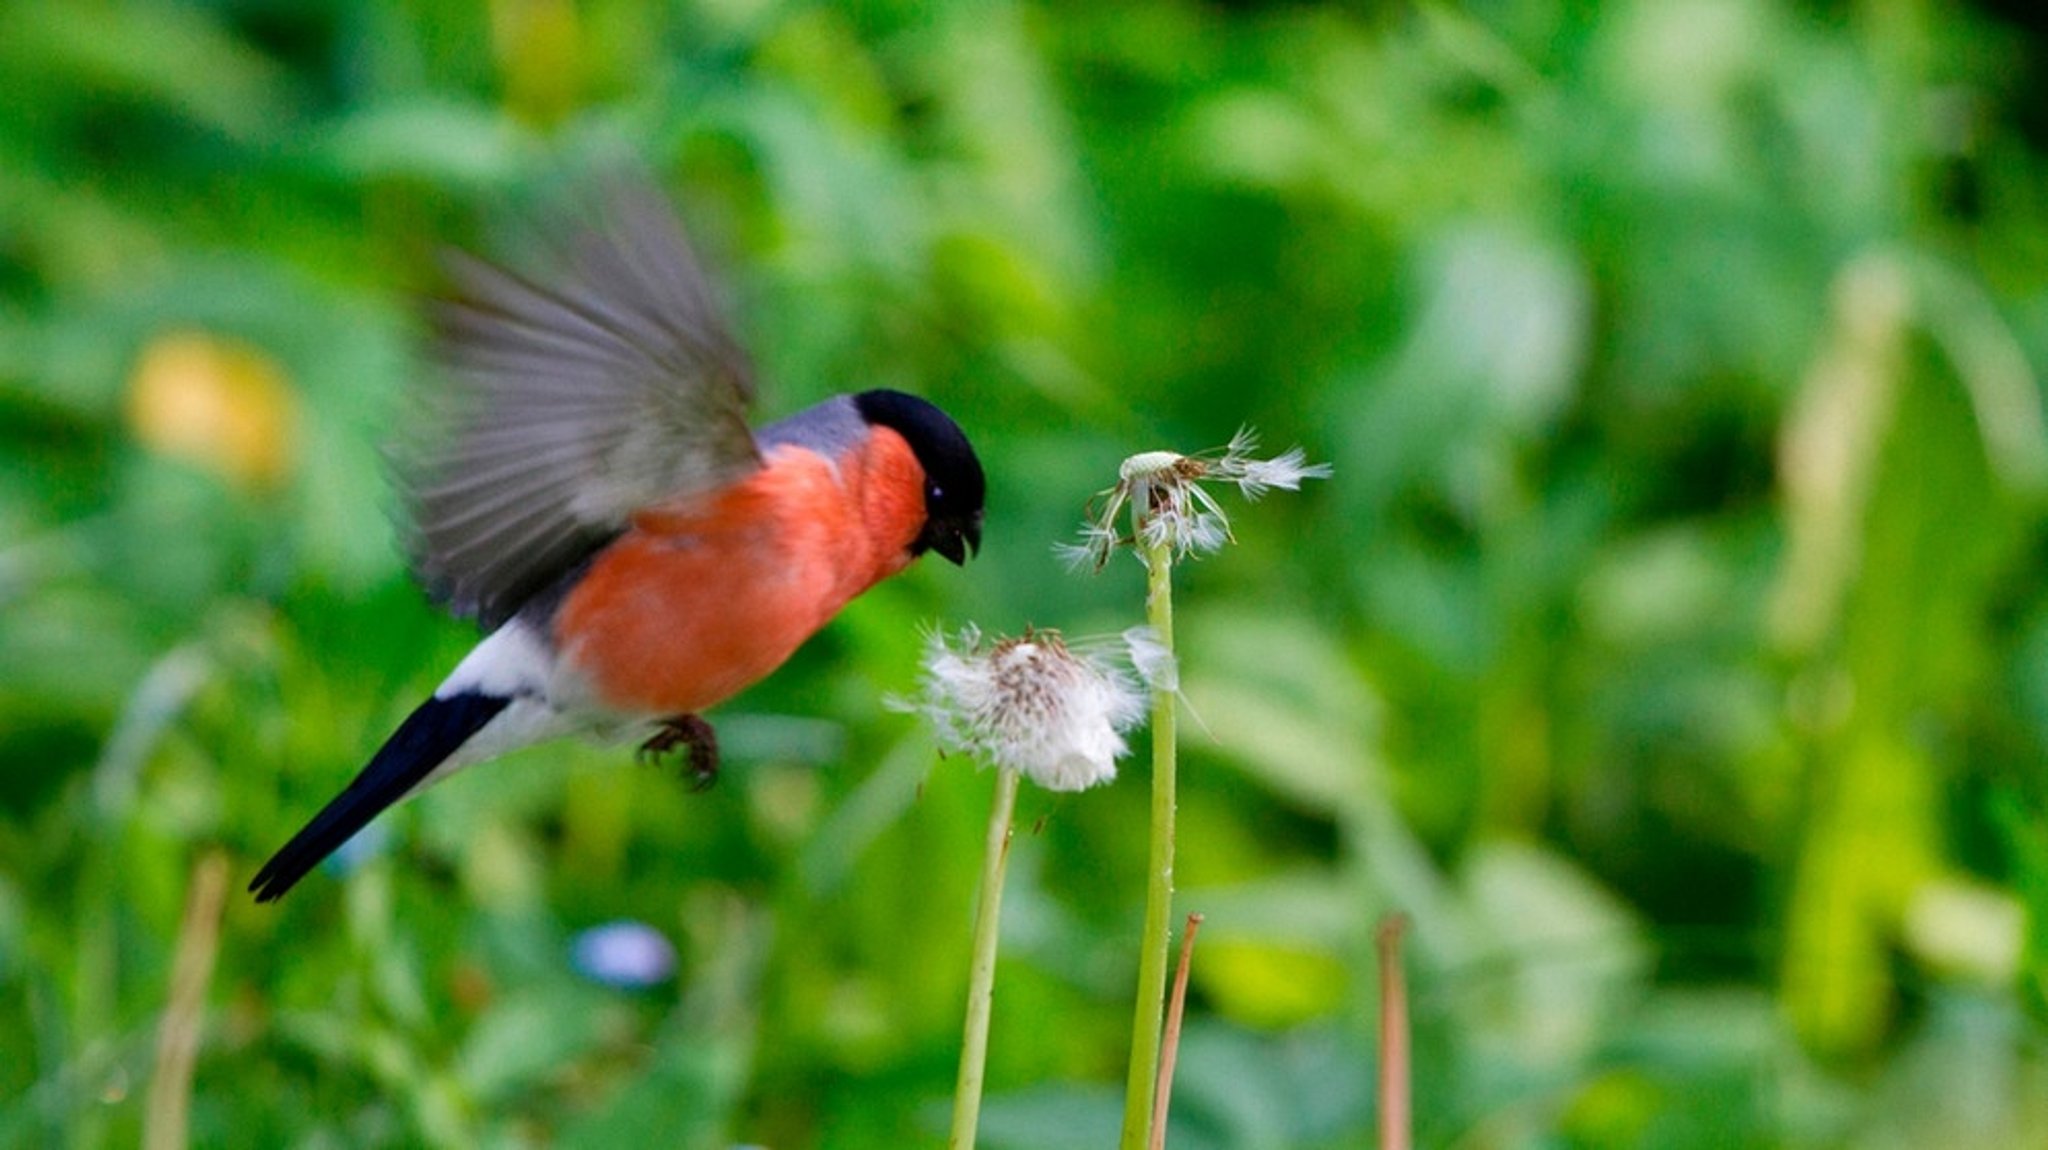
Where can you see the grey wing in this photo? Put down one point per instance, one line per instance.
(573, 397)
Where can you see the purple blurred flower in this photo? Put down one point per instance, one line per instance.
(626, 954)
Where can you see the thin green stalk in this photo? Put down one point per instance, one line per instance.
(1145, 1024)
(981, 978)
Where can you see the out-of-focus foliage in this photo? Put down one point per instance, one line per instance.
(1671, 644)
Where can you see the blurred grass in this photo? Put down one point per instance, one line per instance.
(1670, 645)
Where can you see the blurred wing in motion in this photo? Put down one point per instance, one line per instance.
(574, 398)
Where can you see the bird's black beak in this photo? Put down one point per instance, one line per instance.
(957, 542)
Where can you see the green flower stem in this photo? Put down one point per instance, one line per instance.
(981, 980)
(1145, 1025)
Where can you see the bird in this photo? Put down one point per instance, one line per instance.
(584, 484)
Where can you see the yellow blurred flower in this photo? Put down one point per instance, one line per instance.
(214, 402)
(1270, 984)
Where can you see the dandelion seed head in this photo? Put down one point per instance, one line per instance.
(1172, 510)
(1029, 704)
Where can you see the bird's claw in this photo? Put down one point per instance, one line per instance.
(698, 741)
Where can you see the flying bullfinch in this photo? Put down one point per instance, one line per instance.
(588, 490)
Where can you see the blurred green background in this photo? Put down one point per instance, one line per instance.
(1670, 644)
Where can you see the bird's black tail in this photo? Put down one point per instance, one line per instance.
(421, 743)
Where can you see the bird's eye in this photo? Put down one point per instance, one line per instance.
(935, 492)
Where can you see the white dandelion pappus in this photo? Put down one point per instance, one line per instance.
(1152, 659)
(1029, 704)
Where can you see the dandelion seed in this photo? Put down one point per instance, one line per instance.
(1172, 510)
(1153, 659)
(1030, 704)
(1098, 540)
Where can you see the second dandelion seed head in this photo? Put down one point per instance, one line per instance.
(1171, 510)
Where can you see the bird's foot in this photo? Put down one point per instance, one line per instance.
(695, 737)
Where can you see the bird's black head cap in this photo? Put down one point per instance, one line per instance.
(953, 481)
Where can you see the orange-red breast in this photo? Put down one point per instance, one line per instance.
(590, 492)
